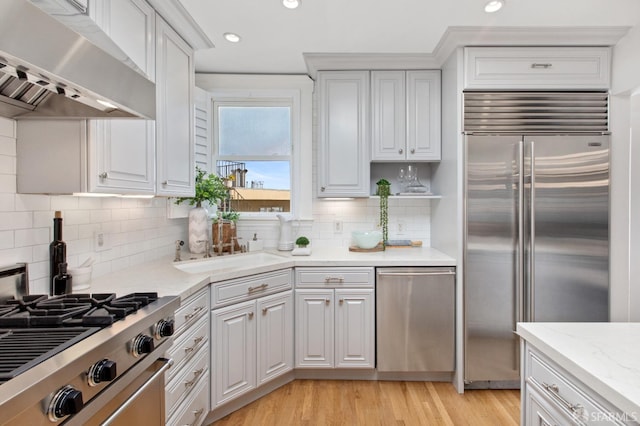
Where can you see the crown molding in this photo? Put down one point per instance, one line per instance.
(455, 37)
(177, 16)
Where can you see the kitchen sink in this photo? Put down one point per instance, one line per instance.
(218, 263)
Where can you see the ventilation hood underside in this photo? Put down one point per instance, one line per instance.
(48, 70)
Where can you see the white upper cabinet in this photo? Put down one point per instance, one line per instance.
(343, 150)
(405, 119)
(175, 148)
(537, 67)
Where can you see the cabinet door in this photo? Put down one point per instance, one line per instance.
(538, 411)
(131, 25)
(423, 115)
(355, 328)
(122, 156)
(343, 160)
(314, 328)
(174, 118)
(388, 115)
(233, 356)
(275, 336)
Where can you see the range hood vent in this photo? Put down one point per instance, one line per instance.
(48, 70)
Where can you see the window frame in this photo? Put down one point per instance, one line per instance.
(290, 98)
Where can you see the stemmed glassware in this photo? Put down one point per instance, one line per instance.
(401, 178)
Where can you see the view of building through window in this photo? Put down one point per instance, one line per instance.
(253, 141)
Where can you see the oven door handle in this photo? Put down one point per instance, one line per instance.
(168, 362)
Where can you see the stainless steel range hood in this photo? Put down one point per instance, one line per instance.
(48, 70)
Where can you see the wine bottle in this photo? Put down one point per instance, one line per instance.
(61, 283)
(57, 249)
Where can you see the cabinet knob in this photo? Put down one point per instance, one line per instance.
(341, 301)
(264, 311)
(250, 315)
(400, 151)
(103, 175)
(327, 301)
(413, 150)
(322, 188)
(165, 183)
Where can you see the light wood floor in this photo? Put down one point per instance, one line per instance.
(334, 402)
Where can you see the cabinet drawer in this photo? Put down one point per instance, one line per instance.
(187, 344)
(186, 380)
(191, 310)
(334, 277)
(195, 407)
(537, 68)
(567, 397)
(247, 288)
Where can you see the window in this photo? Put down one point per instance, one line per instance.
(253, 146)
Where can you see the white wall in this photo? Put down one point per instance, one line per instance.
(137, 230)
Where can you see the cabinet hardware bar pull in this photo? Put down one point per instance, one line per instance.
(196, 414)
(192, 348)
(554, 391)
(260, 287)
(334, 279)
(544, 66)
(196, 374)
(103, 175)
(197, 309)
(413, 274)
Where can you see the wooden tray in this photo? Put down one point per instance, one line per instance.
(363, 250)
(404, 243)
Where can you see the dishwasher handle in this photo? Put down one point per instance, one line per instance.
(414, 274)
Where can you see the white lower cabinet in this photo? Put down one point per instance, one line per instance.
(551, 396)
(187, 382)
(335, 327)
(253, 344)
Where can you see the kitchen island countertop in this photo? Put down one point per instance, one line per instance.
(161, 275)
(603, 356)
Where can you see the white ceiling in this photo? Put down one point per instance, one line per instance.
(274, 38)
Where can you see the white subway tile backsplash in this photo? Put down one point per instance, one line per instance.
(7, 202)
(76, 217)
(6, 239)
(8, 184)
(7, 164)
(31, 237)
(31, 202)
(7, 127)
(7, 146)
(64, 202)
(15, 220)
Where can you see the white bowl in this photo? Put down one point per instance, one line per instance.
(80, 278)
(366, 239)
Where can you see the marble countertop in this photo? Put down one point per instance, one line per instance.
(603, 356)
(163, 277)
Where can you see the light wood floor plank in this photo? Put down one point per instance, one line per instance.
(384, 403)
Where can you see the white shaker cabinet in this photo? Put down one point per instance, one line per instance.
(335, 318)
(405, 115)
(343, 150)
(175, 147)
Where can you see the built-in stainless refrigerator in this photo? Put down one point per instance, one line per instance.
(536, 239)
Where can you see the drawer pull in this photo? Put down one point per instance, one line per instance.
(196, 341)
(554, 391)
(258, 288)
(196, 374)
(195, 312)
(333, 280)
(541, 66)
(196, 416)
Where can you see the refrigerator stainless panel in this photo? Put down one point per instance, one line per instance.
(491, 257)
(568, 216)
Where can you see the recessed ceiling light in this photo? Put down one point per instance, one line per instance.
(493, 6)
(233, 38)
(291, 4)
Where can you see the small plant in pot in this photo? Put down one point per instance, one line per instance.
(302, 242)
(209, 188)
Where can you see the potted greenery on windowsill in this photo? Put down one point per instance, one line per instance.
(209, 188)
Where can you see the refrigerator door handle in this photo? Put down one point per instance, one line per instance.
(532, 236)
(519, 281)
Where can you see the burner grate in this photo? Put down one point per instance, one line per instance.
(21, 349)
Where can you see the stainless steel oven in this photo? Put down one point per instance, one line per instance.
(84, 359)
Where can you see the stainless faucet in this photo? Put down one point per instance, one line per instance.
(179, 243)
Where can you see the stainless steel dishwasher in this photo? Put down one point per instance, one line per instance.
(415, 319)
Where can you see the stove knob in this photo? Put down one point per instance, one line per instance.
(142, 344)
(164, 328)
(66, 401)
(102, 371)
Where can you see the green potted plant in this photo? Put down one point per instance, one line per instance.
(384, 190)
(209, 188)
(302, 242)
